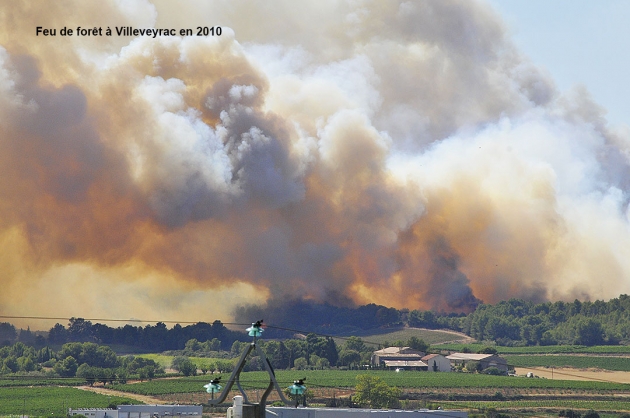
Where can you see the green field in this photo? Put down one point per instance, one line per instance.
(165, 361)
(38, 381)
(581, 362)
(403, 334)
(51, 401)
(347, 379)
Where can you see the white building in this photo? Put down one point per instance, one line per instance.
(284, 412)
(437, 363)
(395, 354)
(141, 411)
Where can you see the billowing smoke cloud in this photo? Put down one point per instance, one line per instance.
(402, 153)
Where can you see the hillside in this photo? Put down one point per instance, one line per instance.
(403, 333)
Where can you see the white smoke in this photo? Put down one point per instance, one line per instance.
(403, 153)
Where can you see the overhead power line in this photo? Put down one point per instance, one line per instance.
(48, 318)
(295, 331)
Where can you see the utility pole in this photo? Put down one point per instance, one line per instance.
(257, 410)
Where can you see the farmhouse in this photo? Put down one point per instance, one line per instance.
(437, 363)
(484, 360)
(395, 354)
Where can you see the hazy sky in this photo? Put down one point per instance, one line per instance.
(578, 41)
(417, 154)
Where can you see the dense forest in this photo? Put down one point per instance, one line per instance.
(153, 338)
(512, 322)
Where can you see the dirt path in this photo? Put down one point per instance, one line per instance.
(567, 373)
(104, 391)
(463, 338)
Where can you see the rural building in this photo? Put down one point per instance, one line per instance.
(437, 363)
(284, 412)
(94, 412)
(395, 354)
(406, 365)
(141, 411)
(484, 360)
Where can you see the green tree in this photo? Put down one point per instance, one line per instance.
(58, 334)
(277, 354)
(422, 319)
(122, 375)
(79, 329)
(373, 392)
(191, 346)
(295, 349)
(10, 363)
(589, 332)
(300, 363)
(26, 363)
(8, 334)
(184, 365)
(349, 357)
(322, 363)
(146, 372)
(355, 343)
(211, 345)
(473, 366)
(225, 366)
(67, 367)
(87, 372)
(417, 344)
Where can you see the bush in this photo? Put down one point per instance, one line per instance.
(569, 413)
(493, 371)
(372, 391)
(473, 366)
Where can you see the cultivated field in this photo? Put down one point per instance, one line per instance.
(420, 389)
(570, 377)
(429, 336)
(52, 401)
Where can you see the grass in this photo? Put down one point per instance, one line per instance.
(429, 336)
(52, 401)
(165, 360)
(347, 379)
(6, 381)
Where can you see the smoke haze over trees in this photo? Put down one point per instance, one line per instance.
(512, 322)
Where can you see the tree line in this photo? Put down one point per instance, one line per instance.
(152, 338)
(86, 360)
(511, 322)
(518, 322)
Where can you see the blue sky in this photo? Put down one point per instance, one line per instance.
(579, 42)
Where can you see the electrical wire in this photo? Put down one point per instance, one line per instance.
(295, 331)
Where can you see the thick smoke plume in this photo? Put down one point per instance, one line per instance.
(401, 153)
